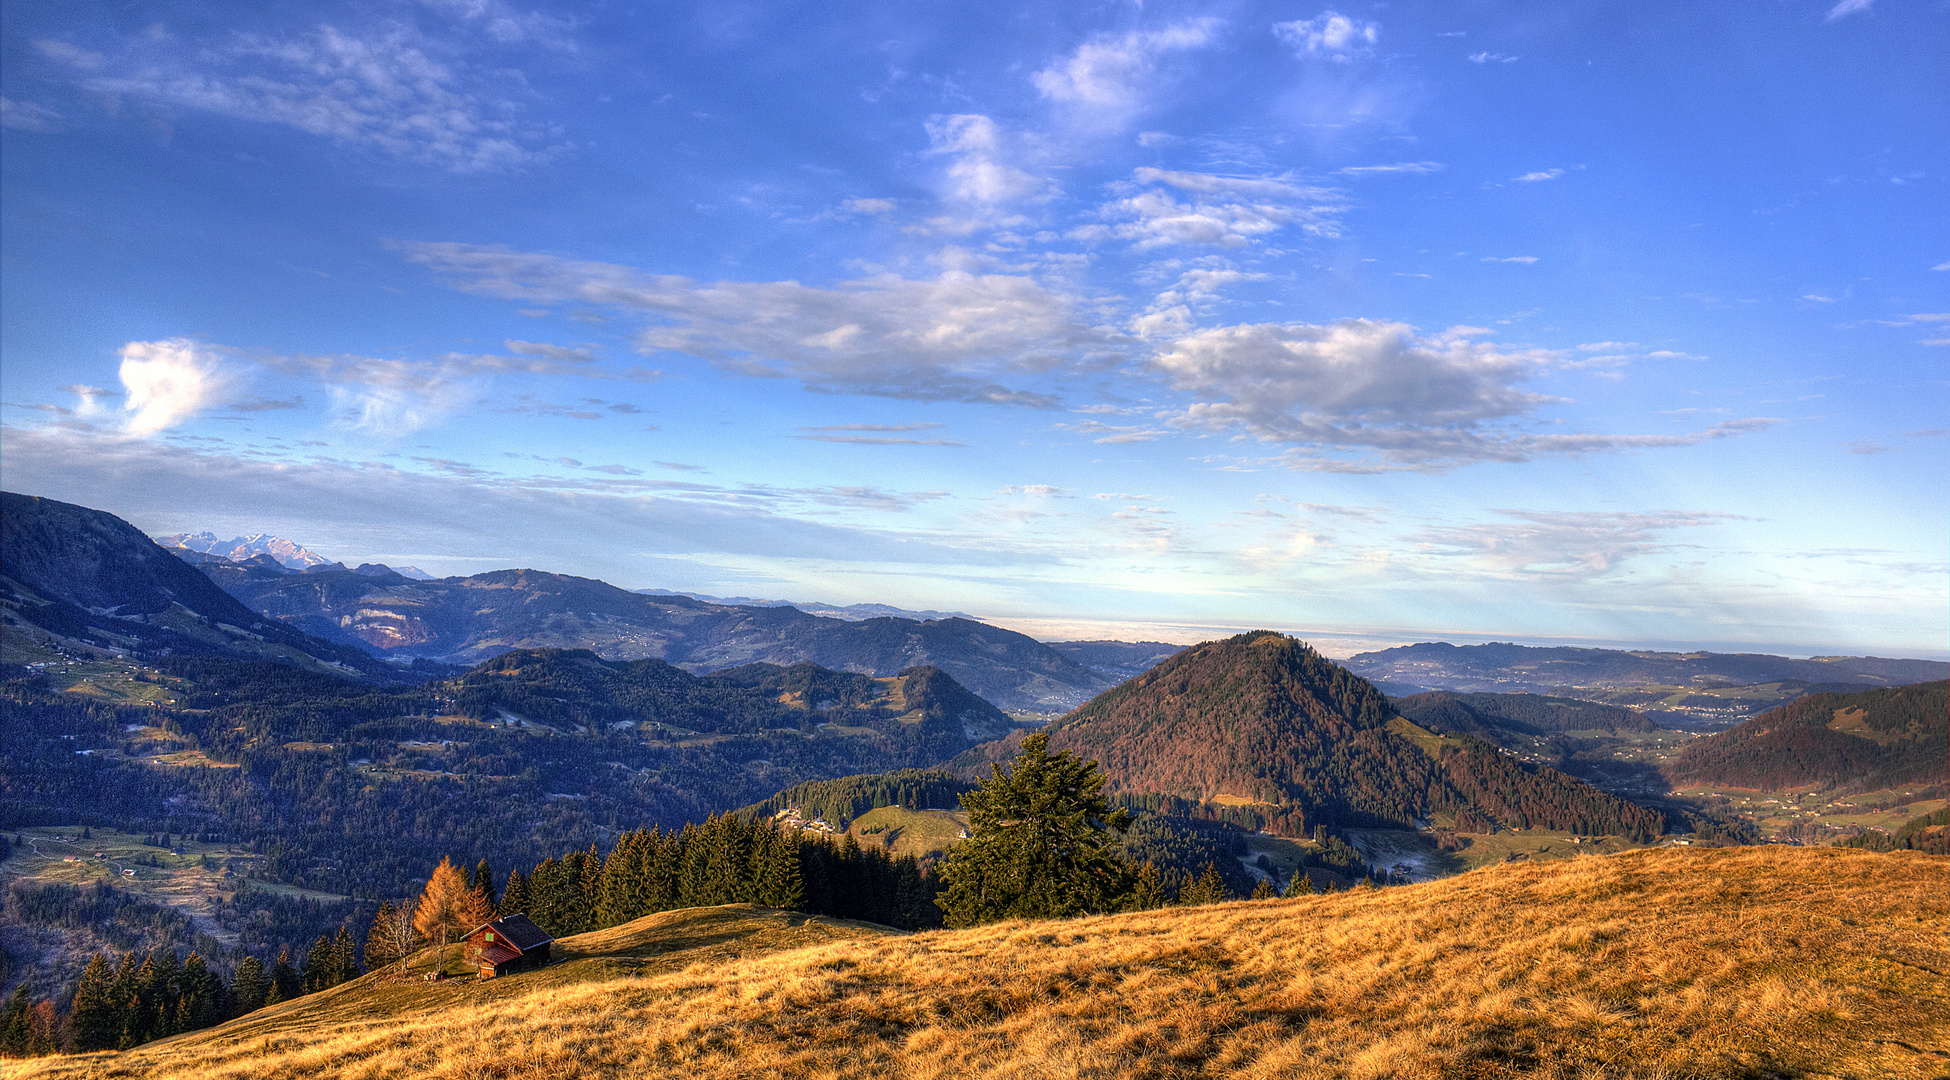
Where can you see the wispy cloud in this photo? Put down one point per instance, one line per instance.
(1398, 167)
(1109, 78)
(1492, 58)
(861, 434)
(27, 116)
(390, 87)
(1538, 176)
(1540, 544)
(1213, 210)
(1330, 36)
(948, 338)
(1368, 396)
(1848, 7)
(168, 382)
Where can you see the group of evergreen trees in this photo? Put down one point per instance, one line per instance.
(727, 859)
(122, 1004)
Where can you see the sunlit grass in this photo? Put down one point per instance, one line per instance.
(1659, 963)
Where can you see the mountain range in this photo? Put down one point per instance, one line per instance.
(94, 579)
(1506, 668)
(464, 620)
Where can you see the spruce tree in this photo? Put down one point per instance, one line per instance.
(515, 899)
(14, 1033)
(318, 966)
(380, 949)
(201, 1001)
(484, 883)
(1301, 885)
(1040, 843)
(285, 984)
(96, 1012)
(546, 902)
(1147, 889)
(1210, 888)
(345, 957)
(1263, 890)
(248, 986)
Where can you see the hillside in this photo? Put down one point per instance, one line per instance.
(1490, 716)
(1760, 962)
(79, 580)
(1864, 741)
(1261, 720)
(467, 620)
(1507, 668)
(352, 788)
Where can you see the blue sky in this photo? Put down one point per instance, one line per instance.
(1374, 323)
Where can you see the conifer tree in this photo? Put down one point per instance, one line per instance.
(379, 948)
(1039, 844)
(1147, 889)
(515, 899)
(546, 901)
(44, 1029)
(589, 887)
(345, 957)
(247, 986)
(1263, 890)
(200, 1002)
(693, 874)
(1301, 885)
(616, 902)
(285, 984)
(449, 904)
(14, 1033)
(661, 888)
(97, 1015)
(1210, 888)
(317, 974)
(484, 883)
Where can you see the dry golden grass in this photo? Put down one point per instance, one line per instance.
(1666, 963)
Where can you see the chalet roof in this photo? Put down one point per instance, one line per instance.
(516, 930)
(498, 954)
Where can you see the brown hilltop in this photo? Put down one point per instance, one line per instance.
(1263, 718)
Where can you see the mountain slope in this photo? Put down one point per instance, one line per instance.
(1500, 666)
(1486, 716)
(1263, 719)
(466, 620)
(88, 575)
(1850, 742)
(1760, 962)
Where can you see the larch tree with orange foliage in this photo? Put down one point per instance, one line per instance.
(449, 903)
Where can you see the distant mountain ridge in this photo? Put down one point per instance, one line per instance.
(1501, 667)
(247, 549)
(88, 576)
(466, 620)
(850, 612)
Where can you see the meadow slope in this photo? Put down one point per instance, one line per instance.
(1670, 963)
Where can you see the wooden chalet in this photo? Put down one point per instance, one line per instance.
(506, 945)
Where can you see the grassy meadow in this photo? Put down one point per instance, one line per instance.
(1659, 963)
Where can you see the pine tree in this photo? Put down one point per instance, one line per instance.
(484, 883)
(379, 946)
(515, 899)
(1147, 889)
(1301, 885)
(693, 873)
(547, 900)
(201, 1002)
(285, 984)
(1210, 888)
(589, 888)
(14, 1033)
(1263, 890)
(345, 957)
(248, 986)
(318, 966)
(1040, 843)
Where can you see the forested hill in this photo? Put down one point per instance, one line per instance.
(1263, 720)
(841, 800)
(1486, 716)
(1864, 741)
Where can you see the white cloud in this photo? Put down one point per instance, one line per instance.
(1577, 545)
(1398, 167)
(1846, 8)
(1534, 177)
(390, 88)
(868, 206)
(168, 382)
(1367, 396)
(948, 338)
(27, 116)
(980, 174)
(1525, 259)
(1107, 79)
(1941, 266)
(1221, 211)
(1114, 434)
(1329, 36)
(1492, 58)
(75, 55)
